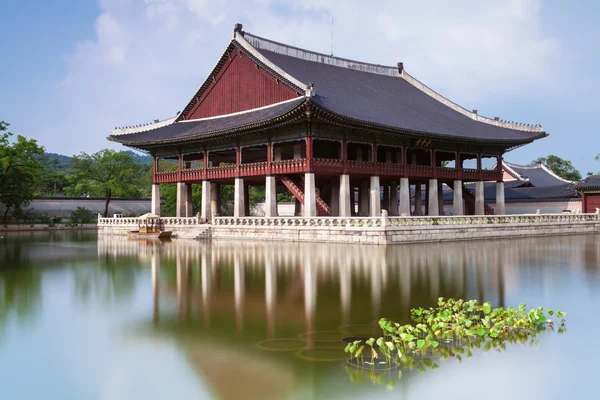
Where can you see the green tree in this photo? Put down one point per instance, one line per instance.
(107, 173)
(561, 167)
(19, 170)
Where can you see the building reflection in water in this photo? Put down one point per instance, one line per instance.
(302, 278)
(240, 292)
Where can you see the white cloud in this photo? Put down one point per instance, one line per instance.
(149, 57)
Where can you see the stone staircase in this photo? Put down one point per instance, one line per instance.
(469, 197)
(196, 233)
(295, 185)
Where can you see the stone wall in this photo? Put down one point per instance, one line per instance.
(44, 227)
(403, 230)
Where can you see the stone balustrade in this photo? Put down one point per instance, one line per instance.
(164, 221)
(391, 222)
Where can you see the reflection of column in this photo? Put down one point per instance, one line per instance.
(270, 292)
(181, 276)
(310, 293)
(239, 275)
(206, 276)
(376, 288)
(155, 283)
(345, 290)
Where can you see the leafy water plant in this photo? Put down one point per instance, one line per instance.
(452, 329)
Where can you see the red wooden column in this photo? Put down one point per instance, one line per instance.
(479, 173)
(583, 203)
(269, 158)
(404, 159)
(345, 155)
(309, 154)
(179, 167)
(458, 162)
(205, 166)
(154, 169)
(238, 160)
(433, 163)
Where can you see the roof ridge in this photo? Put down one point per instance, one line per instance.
(125, 130)
(258, 42)
(298, 99)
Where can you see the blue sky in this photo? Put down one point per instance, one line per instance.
(73, 70)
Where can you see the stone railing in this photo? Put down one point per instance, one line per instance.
(164, 221)
(353, 222)
(391, 222)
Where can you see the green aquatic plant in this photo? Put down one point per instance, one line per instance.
(452, 329)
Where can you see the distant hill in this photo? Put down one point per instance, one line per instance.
(60, 161)
(139, 158)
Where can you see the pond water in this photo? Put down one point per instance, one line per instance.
(87, 317)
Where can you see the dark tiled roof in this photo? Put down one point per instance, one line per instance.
(537, 175)
(389, 101)
(194, 128)
(563, 191)
(591, 182)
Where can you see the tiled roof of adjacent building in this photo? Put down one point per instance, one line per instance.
(538, 175)
(591, 182)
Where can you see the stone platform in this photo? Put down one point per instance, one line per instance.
(367, 230)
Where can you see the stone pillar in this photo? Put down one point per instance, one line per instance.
(441, 209)
(310, 201)
(246, 200)
(404, 206)
(479, 199)
(385, 202)
(346, 202)
(181, 207)
(458, 206)
(189, 208)
(239, 200)
(500, 207)
(393, 206)
(206, 207)
(418, 200)
(363, 198)
(433, 198)
(155, 199)
(270, 197)
(374, 197)
(334, 203)
(215, 199)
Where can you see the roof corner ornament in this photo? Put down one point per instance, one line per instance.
(238, 29)
(400, 67)
(310, 89)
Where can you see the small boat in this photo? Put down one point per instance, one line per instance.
(149, 227)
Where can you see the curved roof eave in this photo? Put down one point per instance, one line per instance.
(509, 143)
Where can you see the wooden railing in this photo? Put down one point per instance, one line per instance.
(330, 166)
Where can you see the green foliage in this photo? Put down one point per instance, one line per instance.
(560, 167)
(82, 216)
(108, 173)
(19, 170)
(452, 329)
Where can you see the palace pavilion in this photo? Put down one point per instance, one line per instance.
(347, 138)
